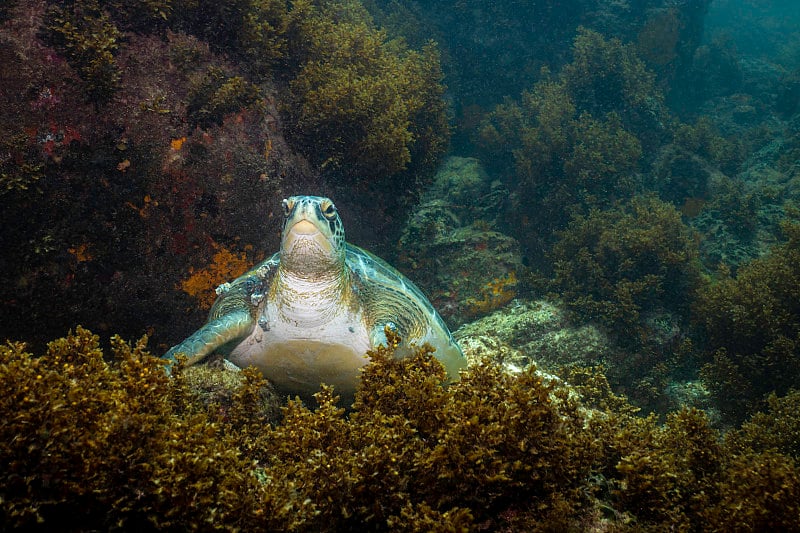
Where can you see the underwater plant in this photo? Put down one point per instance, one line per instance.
(751, 323)
(577, 139)
(96, 444)
(89, 33)
(88, 37)
(6, 9)
(251, 30)
(607, 76)
(216, 94)
(359, 100)
(93, 445)
(616, 265)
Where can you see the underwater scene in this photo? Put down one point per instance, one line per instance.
(586, 311)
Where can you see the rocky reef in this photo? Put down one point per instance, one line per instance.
(599, 196)
(146, 148)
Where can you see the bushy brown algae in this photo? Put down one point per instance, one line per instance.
(615, 266)
(92, 444)
(751, 324)
(576, 140)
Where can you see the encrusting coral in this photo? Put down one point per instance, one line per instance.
(202, 282)
(91, 444)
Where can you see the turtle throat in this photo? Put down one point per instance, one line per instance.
(307, 300)
(306, 253)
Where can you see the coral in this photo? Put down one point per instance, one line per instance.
(224, 266)
(751, 325)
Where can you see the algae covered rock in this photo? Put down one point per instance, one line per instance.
(528, 333)
(452, 247)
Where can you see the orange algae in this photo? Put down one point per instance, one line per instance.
(224, 266)
(494, 295)
(176, 144)
(81, 253)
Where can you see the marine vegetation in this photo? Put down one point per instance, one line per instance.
(118, 116)
(253, 31)
(358, 99)
(632, 269)
(617, 265)
(6, 9)
(216, 94)
(93, 444)
(355, 99)
(452, 248)
(576, 139)
(751, 322)
(88, 33)
(608, 76)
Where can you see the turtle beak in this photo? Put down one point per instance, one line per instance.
(304, 227)
(304, 234)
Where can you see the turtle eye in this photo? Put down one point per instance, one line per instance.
(288, 206)
(328, 209)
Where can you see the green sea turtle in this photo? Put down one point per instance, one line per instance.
(308, 314)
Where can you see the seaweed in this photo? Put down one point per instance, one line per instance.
(358, 100)
(88, 37)
(91, 443)
(751, 323)
(615, 266)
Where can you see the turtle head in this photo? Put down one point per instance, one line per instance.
(313, 236)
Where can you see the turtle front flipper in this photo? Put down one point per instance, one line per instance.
(214, 334)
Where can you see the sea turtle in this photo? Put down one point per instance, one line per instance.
(308, 314)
